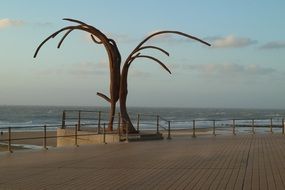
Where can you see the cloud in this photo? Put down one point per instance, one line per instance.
(231, 41)
(230, 69)
(43, 24)
(274, 45)
(49, 71)
(82, 69)
(122, 38)
(89, 68)
(139, 74)
(6, 22)
(258, 70)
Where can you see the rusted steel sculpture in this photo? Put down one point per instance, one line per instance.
(113, 54)
(136, 53)
(118, 78)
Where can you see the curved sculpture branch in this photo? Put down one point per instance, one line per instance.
(166, 32)
(76, 21)
(69, 28)
(94, 40)
(62, 39)
(153, 58)
(151, 47)
(104, 97)
(113, 55)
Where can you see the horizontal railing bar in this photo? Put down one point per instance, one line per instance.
(145, 114)
(17, 129)
(237, 119)
(87, 111)
(30, 127)
(41, 137)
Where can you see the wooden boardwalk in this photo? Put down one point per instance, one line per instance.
(221, 162)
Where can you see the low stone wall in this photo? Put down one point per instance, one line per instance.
(68, 138)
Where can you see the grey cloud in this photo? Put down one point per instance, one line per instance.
(43, 24)
(88, 68)
(230, 41)
(274, 45)
(230, 69)
(81, 69)
(122, 38)
(139, 74)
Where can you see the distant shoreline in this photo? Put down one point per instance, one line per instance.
(146, 107)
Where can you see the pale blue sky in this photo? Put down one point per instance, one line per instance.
(244, 68)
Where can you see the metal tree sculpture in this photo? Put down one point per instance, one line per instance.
(118, 80)
(113, 54)
(136, 53)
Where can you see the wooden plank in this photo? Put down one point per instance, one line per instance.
(221, 162)
(236, 164)
(255, 161)
(261, 164)
(243, 163)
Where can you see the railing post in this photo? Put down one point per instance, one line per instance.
(194, 128)
(283, 126)
(79, 120)
(214, 127)
(234, 127)
(75, 136)
(138, 123)
(271, 123)
(157, 124)
(104, 134)
(63, 120)
(9, 140)
(45, 137)
(168, 136)
(99, 122)
(119, 126)
(252, 125)
(127, 131)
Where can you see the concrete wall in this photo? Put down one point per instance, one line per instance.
(92, 138)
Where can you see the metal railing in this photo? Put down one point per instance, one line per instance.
(98, 116)
(156, 124)
(160, 124)
(211, 125)
(10, 135)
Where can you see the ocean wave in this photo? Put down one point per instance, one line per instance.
(31, 116)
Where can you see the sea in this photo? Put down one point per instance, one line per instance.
(31, 117)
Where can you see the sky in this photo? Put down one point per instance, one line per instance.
(244, 67)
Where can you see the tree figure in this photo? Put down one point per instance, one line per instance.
(113, 54)
(136, 53)
(118, 78)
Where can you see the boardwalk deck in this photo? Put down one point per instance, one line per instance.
(220, 162)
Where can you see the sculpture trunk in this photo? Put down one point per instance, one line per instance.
(114, 92)
(126, 121)
(115, 75)
(111, 116)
